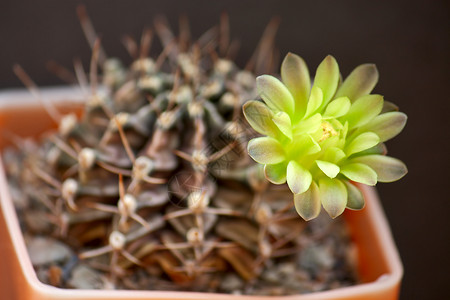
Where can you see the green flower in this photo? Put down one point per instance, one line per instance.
(322, 139)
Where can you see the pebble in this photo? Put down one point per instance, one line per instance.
(84, 277)
(44, 251)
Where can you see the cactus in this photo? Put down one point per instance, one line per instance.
(152, 187)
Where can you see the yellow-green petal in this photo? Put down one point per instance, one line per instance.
(266, 150)
(355, 199)
(276, 173)
(309, 125)
(295, 76)
(298, 178)
(283, 122)
(334, 155)
(388, 169)
(307, 204)
(362, 142)
(314, 102)
(337, 108)
(259, 116)
(387, 125)
(330, 169)
(360, 82)
(333, 195)
(363, 110)
(327, 78)
(359, 172)
(275, 94)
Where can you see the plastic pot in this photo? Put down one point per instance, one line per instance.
(379, 264)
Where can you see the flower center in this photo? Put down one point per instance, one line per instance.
(327, 131)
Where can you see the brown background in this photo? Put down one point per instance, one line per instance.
(408, 40)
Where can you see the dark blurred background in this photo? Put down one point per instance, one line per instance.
(407, 40)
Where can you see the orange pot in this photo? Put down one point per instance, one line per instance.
(379, 264)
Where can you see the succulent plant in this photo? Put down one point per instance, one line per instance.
(320, 139)
(152, 187)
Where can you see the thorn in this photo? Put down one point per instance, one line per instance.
(124, 140)
(33, 89)
(95, 252)
(183, 155)
(264, 46)
(131, 258)
(224, 34)
(146, 43)
(164, 54)
(154, 180)
(61, 72)
(81, 75)
(94, 63)
(185, 33)
(176, 85)
(163, 31)
(121, 187)
(208, 40)
(64, 147)
(222, 152)
(114, 169)
(233, 50)
(131, 46)
(89, 31)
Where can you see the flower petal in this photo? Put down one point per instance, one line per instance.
(389, 106)
(379, 148)
(295, 76)
(298, 178)
(333, 196)
(334, 155)
(387, 125)
(355, 199)
(337, 108)
(388, 169)
(327, 78)
(304, 145)
(362, 142)
(307, 204)
(266, 150)
(364, 110)
(259, 116)
(310, 125)
(314, 102)
(283, 122)
(330, 169)
(360, 82)
(360, 173)
(276, 173)
(275, 94)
